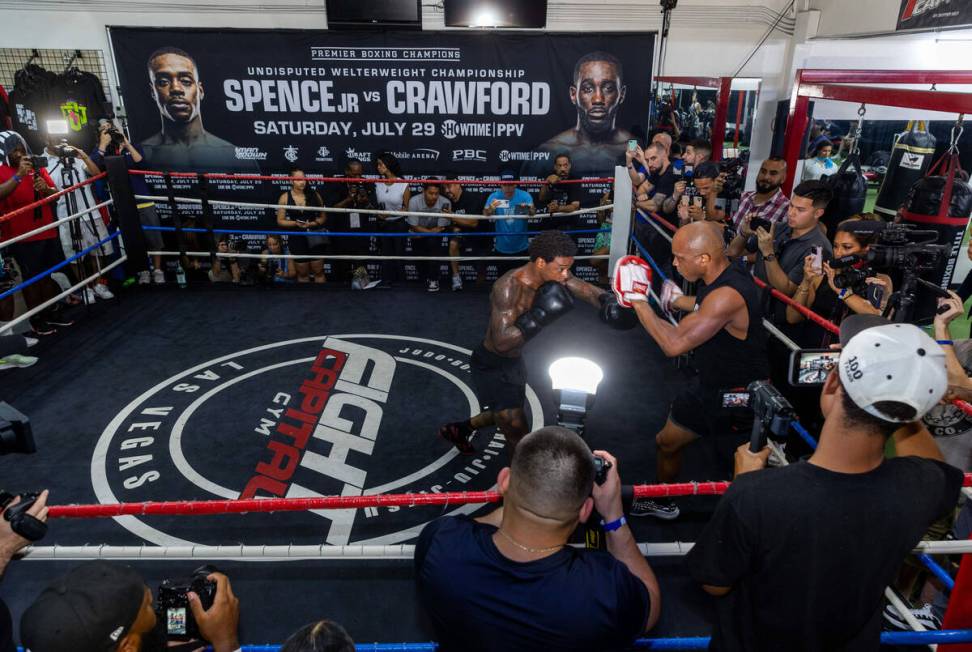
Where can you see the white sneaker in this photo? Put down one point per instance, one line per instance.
(144, 278)
(433, 286)
(456, 283)
(158, 277)
(89, 296)
(102, 292)
(17, 361)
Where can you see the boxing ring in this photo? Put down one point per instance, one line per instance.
(134, 253)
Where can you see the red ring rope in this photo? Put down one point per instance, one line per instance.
(40, 202)
(266, 177)
(208, 507)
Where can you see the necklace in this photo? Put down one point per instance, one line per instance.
(528, 548)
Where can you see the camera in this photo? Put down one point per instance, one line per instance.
(38, 161)
(20, 521)
(810, 367)
(63, 150)
(772, 414)
(117, 138)
(173, 603)
(601, 468)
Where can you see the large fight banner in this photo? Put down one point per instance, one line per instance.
(934, 14)
(465, 103)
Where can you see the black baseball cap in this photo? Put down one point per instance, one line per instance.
(88, 610)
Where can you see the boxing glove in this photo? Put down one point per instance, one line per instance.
(614, 315)
(632, 280)
(551, 301)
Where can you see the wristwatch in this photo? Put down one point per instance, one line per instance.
(769, 258)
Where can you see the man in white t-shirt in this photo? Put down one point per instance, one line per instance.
(69, 166)
(430, 201)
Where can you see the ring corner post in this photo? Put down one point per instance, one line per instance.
(621, 219)
(126, 208)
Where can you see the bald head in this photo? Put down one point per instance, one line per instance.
(700, 238)
(663, 139)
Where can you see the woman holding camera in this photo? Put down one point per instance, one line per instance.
(820, 289)
(293, 219)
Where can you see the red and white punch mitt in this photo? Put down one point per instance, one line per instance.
(632, 280)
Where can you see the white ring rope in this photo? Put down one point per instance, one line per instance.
(375, 257)
(371, 211)
(55, 224)
(74, 288)
(400, 551)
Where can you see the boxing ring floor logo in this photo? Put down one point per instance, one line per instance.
(352, 414)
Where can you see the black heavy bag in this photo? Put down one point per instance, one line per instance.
(911, 157)
(850, 191)
(939, 202)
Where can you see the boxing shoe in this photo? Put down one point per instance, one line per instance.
(458, 434)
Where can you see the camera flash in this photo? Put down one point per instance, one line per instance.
(57, 127)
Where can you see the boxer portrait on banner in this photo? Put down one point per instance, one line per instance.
(183, 143)
(596, 144)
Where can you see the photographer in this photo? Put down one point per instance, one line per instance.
(819, 289)
(560, 198)
(101, 606)
(702, 203)
(275, 270)
(224, 270)
(112, 142)
(778, 542)
(24, 180)
(68, 166)
(355, 195)
(513, 567)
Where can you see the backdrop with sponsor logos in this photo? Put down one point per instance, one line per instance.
(443, 102)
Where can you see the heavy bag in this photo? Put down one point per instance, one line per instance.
(939, 202)
(850, 191)
(911, 157)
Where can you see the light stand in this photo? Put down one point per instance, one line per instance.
(575, 382)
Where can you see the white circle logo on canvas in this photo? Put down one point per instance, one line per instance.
(343, 415)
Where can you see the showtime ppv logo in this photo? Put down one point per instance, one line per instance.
(506, 156)
(343, 415)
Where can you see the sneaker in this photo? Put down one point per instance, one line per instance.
(433, 286)
(144, 278)
(458, 434)
(456, 283)
(30, 341)
(102, 292)
(89, 296)
(663, 509)
(42, 328)
(926, 616)
(17, 361)
(158, 277)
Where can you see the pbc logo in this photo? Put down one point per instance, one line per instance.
(469, 155)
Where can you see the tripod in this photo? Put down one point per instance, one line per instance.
(70, 177)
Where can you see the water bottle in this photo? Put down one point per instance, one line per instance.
(180, 276)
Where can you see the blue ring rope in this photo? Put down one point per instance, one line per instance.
(37, 277)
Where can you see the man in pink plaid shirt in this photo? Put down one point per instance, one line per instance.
(767, 201)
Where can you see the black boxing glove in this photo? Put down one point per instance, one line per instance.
(551, 301)
(615, 315)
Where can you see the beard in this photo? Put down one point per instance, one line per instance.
(765, 188)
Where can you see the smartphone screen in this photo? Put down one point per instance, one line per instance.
(175, 620)
(632, 145)
(697, 200)
(811, 366)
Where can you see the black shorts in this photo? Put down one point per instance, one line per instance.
(699, 409)
(477, 245)
(500, 382)
(36, 256)
(301, 245)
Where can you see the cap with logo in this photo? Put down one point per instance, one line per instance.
(88, 610)
(9, 141)
(507, 175)
(883, 361)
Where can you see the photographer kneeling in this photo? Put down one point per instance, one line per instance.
(782, 539)
(843, 286)
(103, 606)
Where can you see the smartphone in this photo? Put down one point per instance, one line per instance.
(632, 145)
(697, 200)
(684, 200)
(735, 399)
(809, 367)
(758, 222)
(817, 261)
(504, 203)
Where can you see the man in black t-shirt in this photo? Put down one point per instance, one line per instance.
(560, 199)
(465, 202)
(800, 555)
(354, 194)
(508, 581)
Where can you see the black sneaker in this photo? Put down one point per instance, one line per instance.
(41, 328)
(661, 508)
(926, 616)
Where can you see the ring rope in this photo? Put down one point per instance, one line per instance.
(360, 234)
(281, 552)
(50, 198)
(55, 224)
(375, 257)
(367, 211)
(61, 265)
(271, 177)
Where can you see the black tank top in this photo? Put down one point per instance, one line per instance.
(311, 198)
(724, 361)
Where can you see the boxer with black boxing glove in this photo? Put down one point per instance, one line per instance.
(522, 303)
(724, 330)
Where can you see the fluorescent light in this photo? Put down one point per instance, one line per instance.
(485, 17)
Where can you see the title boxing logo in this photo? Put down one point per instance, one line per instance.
(916, 8)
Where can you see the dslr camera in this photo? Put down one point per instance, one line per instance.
(173, 603)
(117, 137)
(772, 414)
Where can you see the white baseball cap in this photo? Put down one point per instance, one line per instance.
(891, 362)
